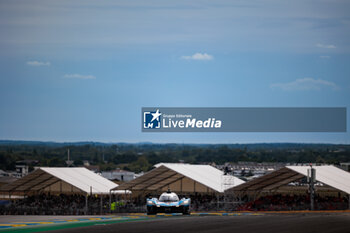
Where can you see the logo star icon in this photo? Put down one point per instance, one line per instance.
(156, 115)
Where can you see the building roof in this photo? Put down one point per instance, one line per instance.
(81, 178)
(329, 175)
(167, 173)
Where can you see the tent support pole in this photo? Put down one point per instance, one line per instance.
(110, 201)
(181, 185)
(217, 202)
(86, 204)
(101, 204)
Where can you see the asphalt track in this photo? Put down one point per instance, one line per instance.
(275, 222)
(245, 224)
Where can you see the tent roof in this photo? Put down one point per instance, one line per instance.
(328, 175)
(204, 174)
(79, 177)
(167, 173)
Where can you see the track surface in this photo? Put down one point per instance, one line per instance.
(199, 222)
(265, 223)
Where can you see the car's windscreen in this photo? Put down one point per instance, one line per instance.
(168, 197)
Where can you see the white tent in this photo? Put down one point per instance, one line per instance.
(183, 178)
(205, 174)
(61, 180)
(331, 176)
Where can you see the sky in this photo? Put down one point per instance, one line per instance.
(82, 70)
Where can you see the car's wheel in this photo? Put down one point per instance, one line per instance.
(186, 211)
(151, 211)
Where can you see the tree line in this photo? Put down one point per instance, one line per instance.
(142, 156)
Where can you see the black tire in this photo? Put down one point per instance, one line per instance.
(151, 211)
(186, 211)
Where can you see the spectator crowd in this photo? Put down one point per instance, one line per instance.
(279, 202)
(46, 204)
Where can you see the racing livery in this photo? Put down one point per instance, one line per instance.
(168, 202)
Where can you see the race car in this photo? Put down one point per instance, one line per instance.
(168, 202)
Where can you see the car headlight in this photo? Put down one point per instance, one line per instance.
(186, 202)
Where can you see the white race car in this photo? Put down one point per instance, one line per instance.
(168, 202)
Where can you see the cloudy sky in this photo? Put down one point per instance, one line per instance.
(82, 70)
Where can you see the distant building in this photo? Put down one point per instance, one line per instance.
(86, 163)
(3, 173)
(250, 169)
(22, 167)
(12, 174)
(22, 170)
(94, 168)
(119, 175)
(345, 166)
